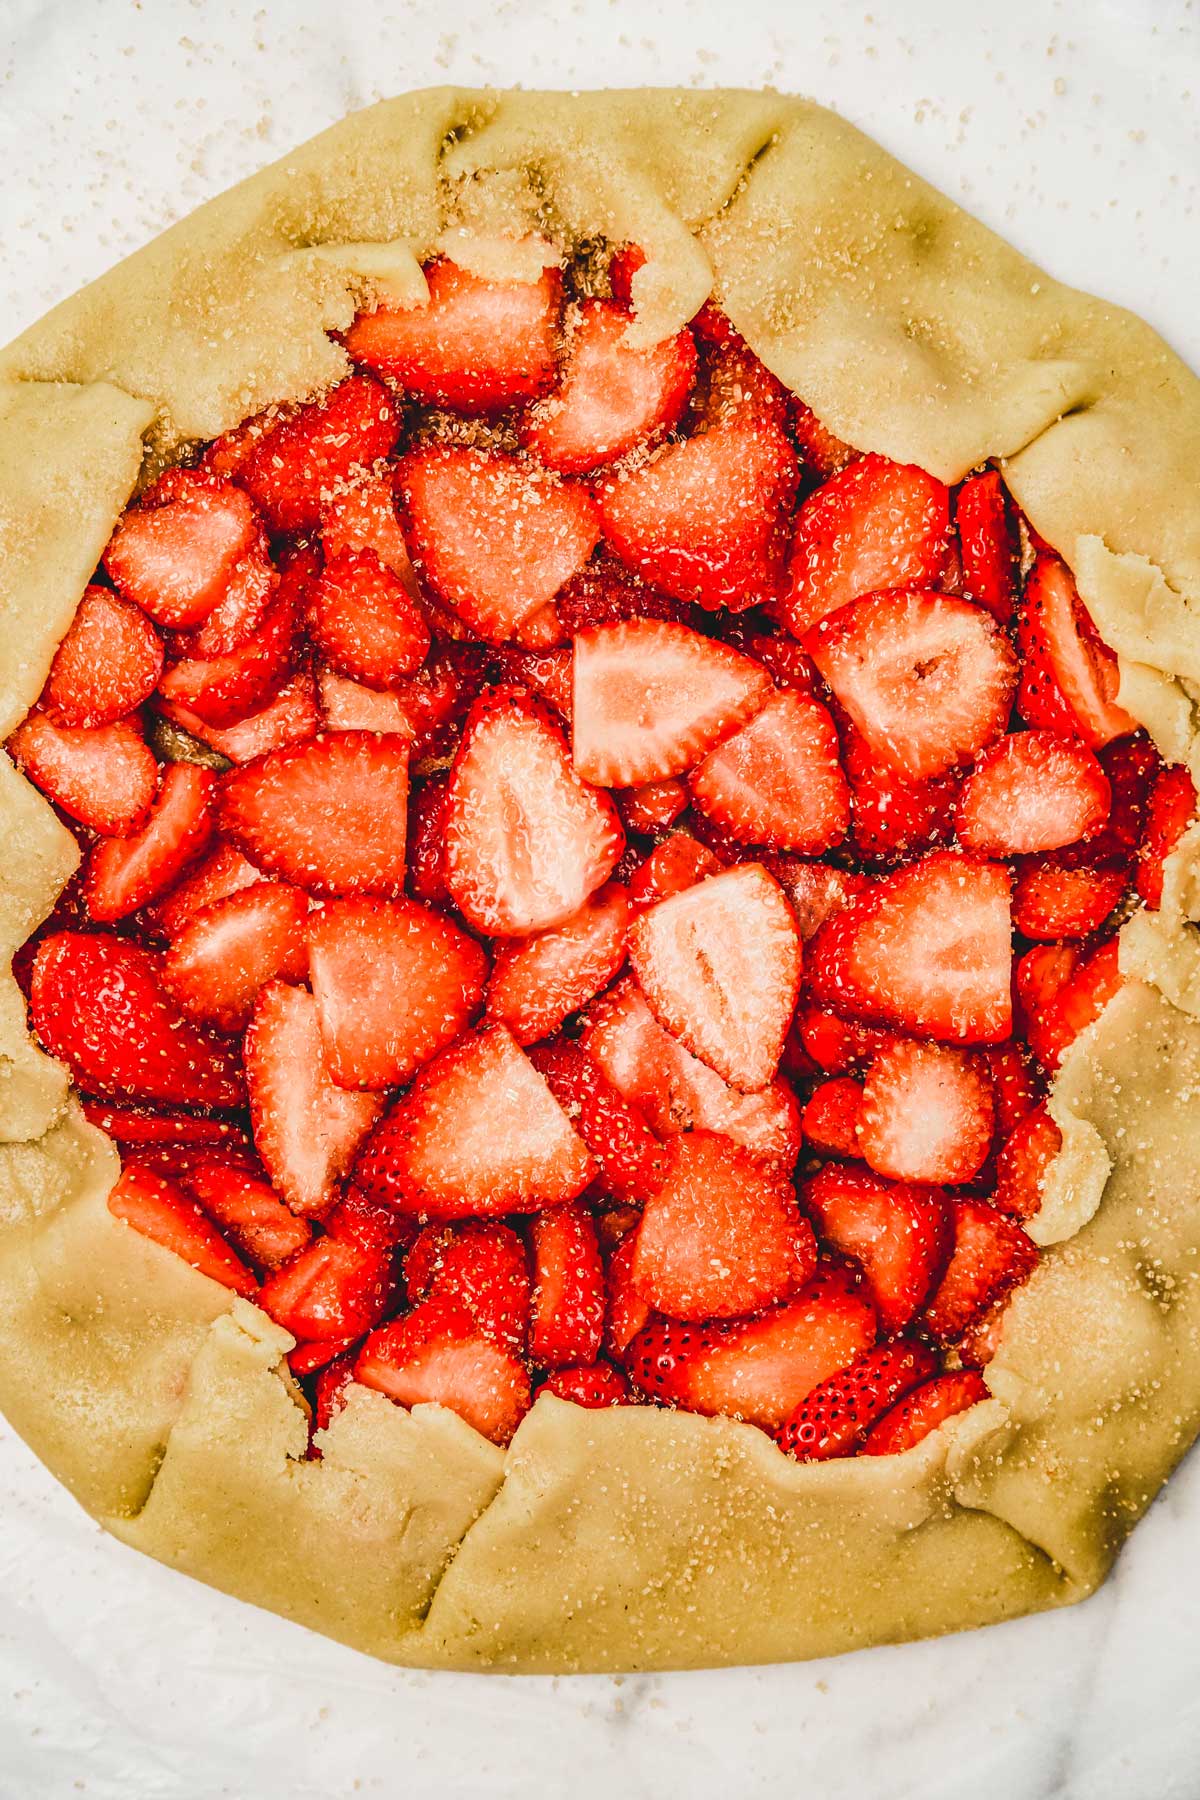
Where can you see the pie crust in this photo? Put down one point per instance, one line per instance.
(630, 1538)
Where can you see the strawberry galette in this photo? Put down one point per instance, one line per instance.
(604, 1001)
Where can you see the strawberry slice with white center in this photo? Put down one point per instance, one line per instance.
(928, 680)
(224, 871)
(927, 1114)
(174, 554)
(363, 517)
(526, 840)
(494, 536)
(627, 1151)
(481, 1264)
(476, 346)
(922, 1410)
(124, 873)
(720, 967)
(332, 1290)
(162, 1211)
(899, 1235)
(394, 983)
(652, 697)
(989, 544)
(833, 1420)
(927, 949)
(306, 1128)
(537, 982)
(295, 466)
(778, 781)
(287, 719)
(611, 396)
(230, 949)
(1060, 640)
(329, 814)
(991, 1256)
(104, 776)
(240, 610)
(248, 1211)
(363, 620)
(223, 689)
(877, 524)
(479, 1132)
(674, 1090)
(566, 1323)
(722, 1236)
(706, 519)
(1032, 791)
(108, 663)
(439, 1356)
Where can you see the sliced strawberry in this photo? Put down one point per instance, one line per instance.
(1132, 765)
(815, 890)
(778, 780)
(363, 621)
(162, 1211)
(104, 776)
(427, 708)
(928, 680)
(611, 396)
(363, 517)
(605, 592)
(1171, 810)
(130, 1040)
(1079, 990)
(362, 1220)
(991, 1256)
(137, 1126)
(545, 672)
(478, 1132)
(756, 1369)
(228, 454)
(1053, 899)
(1032, 791)
(125, 873)
(654, 806)
(651, 698)
(223, 871)
(630, 1157)
(625, 1311)
(108, 663)
(526, 840)
(439, 1356)
(330, 1393)
(722, 1236)
(481, 1264)
(224, 689)
(822, 453)
(428, 812)
(287, 719)
(592, 1385)
(830, 1119)
(1021, 1166)
(1061, 642)
(787, 662)
(494, 537)
(989, 544)
(248, 1212)
(394, 983)
(566, 1322)
(174, 554)
(835, 1417)
(737, 389)
(476, 346)
(876, 524)
(331, 1289)
(329, 814)
(675, 864)
(293, 468)
(1017, 1085)
(927, 1114)
(890, 815)
(922, 1410)
(839, 1045)
(626, 260)
(899, 1235)
(706, 519)
(306, 1128)
(350, 706)
(981, 1341)
(543, 630)
(320, 1354)
(926, 949)
(219, 960)
(536, 982)
(720, 967)
(675, 1090)
(241, 609)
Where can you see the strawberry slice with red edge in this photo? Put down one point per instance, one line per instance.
(900, 1235)
(125, 873)
(174, 554)
(629, 1156)
(484, 1266)
(333, 1288)
(1017, 1083)
(991, 1256)
(835, 1417)
(1032, 791)
(1053, 898)
(679, 862)
(831, 1115)
(104, 776)
(363, 517)
(989, 544)
(625, 1311)
(223, 871)
(248, 1212)
(591, 1385)
(890, 815)
(922, 1410)
(778, 780)
(927, 1114)
(566, 1320)
(223, 689)
(427, 817)
(160, 1210)
(294, 467)
(107, 664)
(822, 452)
(227, 951)
(537, 982)
(241, 609)
(1064, 993)
(362, 620)
(438, 1355)
(1171, 809)
(1023, 1161)
(139, 1126)
(289, 718)
(1070, 677)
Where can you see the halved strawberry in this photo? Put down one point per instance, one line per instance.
(876, 524)
(174, 554)
(1032, 791)
(610, 396)
(1171, 810)
(890, 815)
(839, 1045)
(675, 864)
(478, 1132)
(159, 1209)
(926, 949)
(1025, 1156)
(526, 840)
(221, 957)
(651, 698)
(778, 780)
(129, 1040)
(835, 1417)
(815, 890)
(363, 621)
(248, 1211)
(241, 609)
(1017, 1083)
(566, 1321)
(438, 1355)
(495, 537)
(139, 1126)
(294, 467)
(927, 1114)
(720, 967)
(922, 1410)
(722, 1236)
(329, 814)
(592, 1385)
(1053, 898)
(287, 719)
(393, 983)
(822, 453)
(331, 1289)
(991, 1256)
(757, 1369)
(428, 810)
(481, 1264)
(830, 1118)
(899, 1235)
(223, 871)
(928, 680)
(536, 982)
(989, 544)
(653, 807)
(1060, 641)
(103, 776)
(706, 519)
(125, 873)
(1078, 988)
(629, 1155)
(306, 1128)
(675, 1090)
(223, 689)
(107, 664)
(363, 517)
(476, 346)
(605, 592)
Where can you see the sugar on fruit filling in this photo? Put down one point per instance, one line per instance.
(587, 878)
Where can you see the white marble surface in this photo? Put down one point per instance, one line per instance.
(1073, 127)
